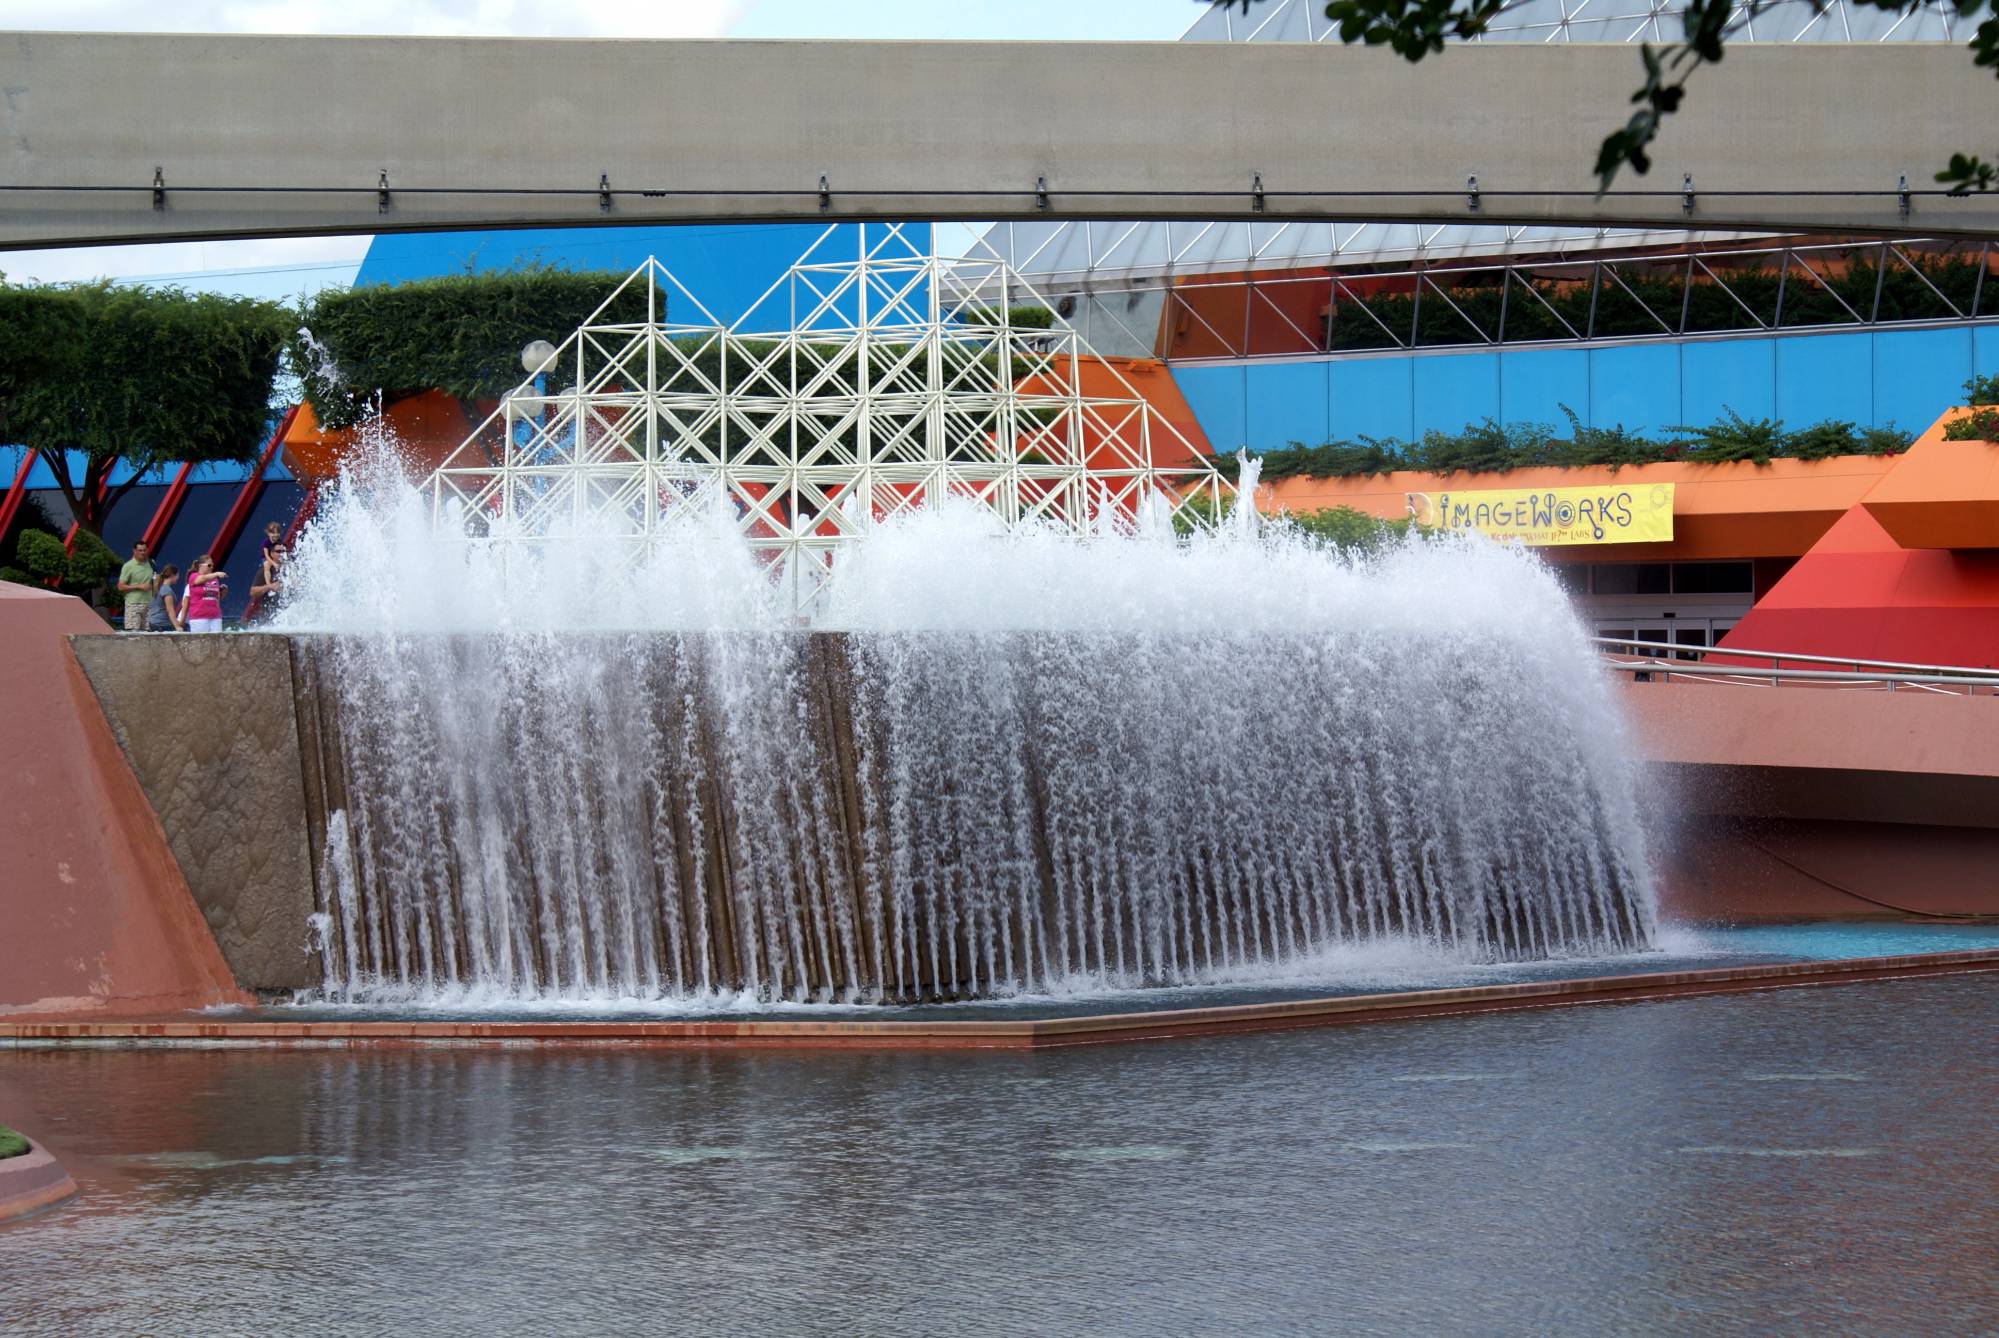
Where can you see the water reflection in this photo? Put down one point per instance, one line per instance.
(1585, 1170)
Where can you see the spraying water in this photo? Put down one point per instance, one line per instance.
(995, 762)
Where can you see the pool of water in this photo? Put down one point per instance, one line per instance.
(1371, 969)
(1805, 1161)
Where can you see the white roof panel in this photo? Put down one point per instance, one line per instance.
(1074, 253)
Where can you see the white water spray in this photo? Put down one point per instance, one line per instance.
(998, 762)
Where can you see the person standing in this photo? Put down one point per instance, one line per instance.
(136, 581)
(204, 596)
(164, 613)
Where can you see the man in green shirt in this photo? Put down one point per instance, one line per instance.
(135, 582)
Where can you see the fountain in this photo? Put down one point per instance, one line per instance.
(999, 760)
(978, 686)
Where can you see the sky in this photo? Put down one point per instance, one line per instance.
(284, 267)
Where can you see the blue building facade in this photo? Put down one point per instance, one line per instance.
(726, 268)
(1875, 377)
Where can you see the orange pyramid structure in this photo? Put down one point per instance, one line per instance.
(1911, 574)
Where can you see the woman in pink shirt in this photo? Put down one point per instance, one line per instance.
(204, 596)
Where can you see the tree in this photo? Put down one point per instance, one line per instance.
(1418, 28)
(142, 376)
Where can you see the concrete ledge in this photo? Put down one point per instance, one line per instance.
(847, 1033)
(32, 1182)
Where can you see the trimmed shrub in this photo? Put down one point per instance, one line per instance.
(458, 333)
(1489, 447)
(1031, 317)
(86, 567)
(1732, 437)
(1351, 531)
(1982, 425)
(143, 376)
(12, 1144)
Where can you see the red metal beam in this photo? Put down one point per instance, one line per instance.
(306, 509)
(253, 488)
(17, 493)
(169, 507)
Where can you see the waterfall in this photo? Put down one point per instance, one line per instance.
(997, 764)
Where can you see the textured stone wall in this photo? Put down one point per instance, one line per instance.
(209, 725)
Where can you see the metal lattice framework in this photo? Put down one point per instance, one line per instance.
(854, 389)
(1112, 270)
(1793, 288)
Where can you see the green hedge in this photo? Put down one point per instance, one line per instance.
(1342, 528)
(459, 333)
(1350, 531)
(145, 376)
(463, 334)
(1599, 306)
(12, 1144)
(1490, 447)
(1033, 317)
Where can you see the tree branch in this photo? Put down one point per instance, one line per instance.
(58, 463)
(1417, 28)
(116, 494)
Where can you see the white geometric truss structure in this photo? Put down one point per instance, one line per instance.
(853, 389)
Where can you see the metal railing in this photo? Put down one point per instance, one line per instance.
(1665, 662)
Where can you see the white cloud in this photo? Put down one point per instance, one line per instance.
(283, 264)
(425, 18)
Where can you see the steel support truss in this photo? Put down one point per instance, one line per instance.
(1678, 293)
(854, 389)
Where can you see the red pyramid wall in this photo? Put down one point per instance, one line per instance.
(1859, 592)
(94, 914)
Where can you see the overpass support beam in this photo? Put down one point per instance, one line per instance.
(121, 137)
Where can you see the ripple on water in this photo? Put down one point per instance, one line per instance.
(1390, 1145)
(694, 1156)
(209, 1161)
(1133, 1152)
(1725, 1151)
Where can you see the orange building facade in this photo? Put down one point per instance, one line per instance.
(1869, 557)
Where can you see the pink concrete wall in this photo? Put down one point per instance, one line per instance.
(1793, 802)
(94, 913)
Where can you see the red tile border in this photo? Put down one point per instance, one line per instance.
(848, 1033)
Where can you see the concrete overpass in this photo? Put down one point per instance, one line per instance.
(120, 137)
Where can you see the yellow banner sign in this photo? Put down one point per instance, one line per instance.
(1545, 517)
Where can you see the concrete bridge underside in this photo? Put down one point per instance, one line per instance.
(267, 136)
